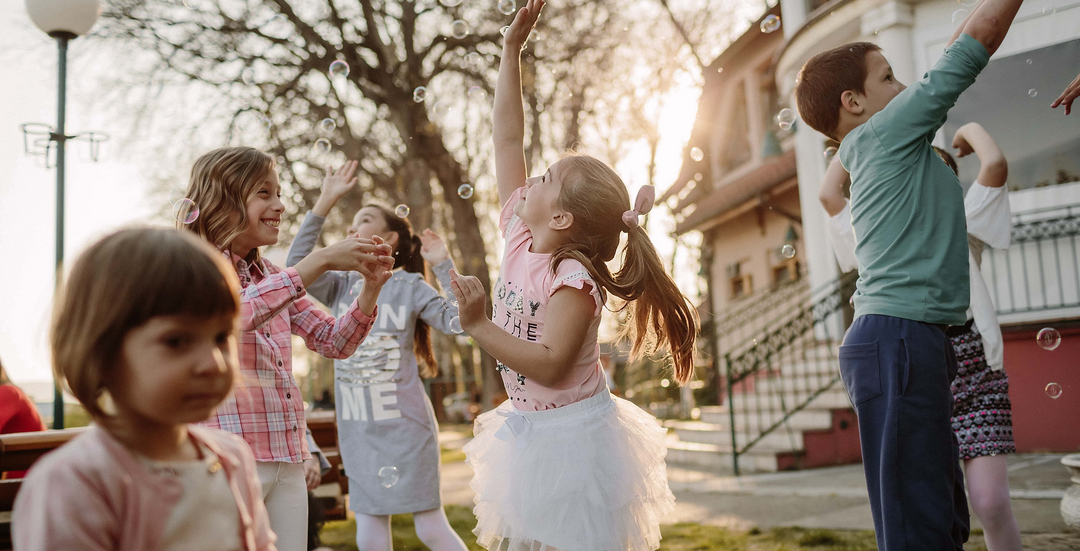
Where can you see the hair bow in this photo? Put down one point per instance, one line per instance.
(646, 196)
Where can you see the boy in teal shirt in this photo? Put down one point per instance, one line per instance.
(907, 210)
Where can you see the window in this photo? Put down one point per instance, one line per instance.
(741, 285)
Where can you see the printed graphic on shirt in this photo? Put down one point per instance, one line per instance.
(511, 314)
(370, 375)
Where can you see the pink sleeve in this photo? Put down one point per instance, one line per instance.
(330, 337)
(572, 273)
(507, 213)
(59, 507)
(263, 301)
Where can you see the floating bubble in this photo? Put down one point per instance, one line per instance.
(339, 69)
(327, 125)
(265, 121)
(770, 24)
(958, 16)
(788, 251)
(247, 76)
(719, 69)
(1032, 93)
(455, 324)
(450, 3)
(402, 211)
(322, 145)
(830, 152)
(459, 29)
(1029, 62)
(1053, 390)
(419, 95)
(698, 177)
(477, 92)
(968, 3)
(185, 211)
(785, 118)
(507, 7)
(1048, 338)
(473, 60)
(465, 191)
(503, 30)
(388, 476)
(1049, 10)
(534, 36)
(697, 154)
(665, 383)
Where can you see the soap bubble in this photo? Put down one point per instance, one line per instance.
(1032, 93)
(472, 59)
(958, 16)
(185, 211)
(770, 24)
(968, 3)
(1049, 10)
(459, 29)
(465, 191)
(1053, 390)
(507, 7)
(247, 76)
(1029, 62)
(534, 36)
(328, 125)
(265, 121)
(719, 69)
(785, 118)
(339, 69)
(322, 145)
(830, 152)
(503, 30)
(696, 154)
(450, 3)
(455, 325)
(788, 251)
(388, 476)
(1048, 338)
(419, 94)
(477, 92)
(402, 211)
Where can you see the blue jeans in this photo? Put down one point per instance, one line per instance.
(897, 374)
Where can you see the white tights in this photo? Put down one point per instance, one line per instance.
(988, 488)
(432, 527)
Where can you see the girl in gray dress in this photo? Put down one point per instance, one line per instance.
(387, 431)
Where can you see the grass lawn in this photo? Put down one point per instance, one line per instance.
(341, 536)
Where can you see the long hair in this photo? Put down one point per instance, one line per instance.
(660, 317)
(222, 182)
(407, 256)
(120, 283)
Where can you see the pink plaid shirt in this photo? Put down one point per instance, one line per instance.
(266, 408)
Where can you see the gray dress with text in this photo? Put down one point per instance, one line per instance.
(384, 417)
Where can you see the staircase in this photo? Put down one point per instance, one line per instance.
(785, 404)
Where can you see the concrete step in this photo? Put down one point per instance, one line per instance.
(712, 457)
(718, 435)
(807, 419)
(834, 398)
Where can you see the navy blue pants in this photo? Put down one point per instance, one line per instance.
(897, 374)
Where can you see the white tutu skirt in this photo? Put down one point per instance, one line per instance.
(589, 476)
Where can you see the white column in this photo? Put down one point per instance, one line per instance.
(889, 26)
(810, 164)
(793, 14)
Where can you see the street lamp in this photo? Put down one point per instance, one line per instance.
(62, 20)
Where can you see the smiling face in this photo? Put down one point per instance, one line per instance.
(175, 369)
(880, 86)
(264, 210)
(538, 205)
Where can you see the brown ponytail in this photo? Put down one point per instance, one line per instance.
(660, 317)
(407, 256)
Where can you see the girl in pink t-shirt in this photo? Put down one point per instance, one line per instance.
(562, 464)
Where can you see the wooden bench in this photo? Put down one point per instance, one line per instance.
(18, 451)
(335, 485)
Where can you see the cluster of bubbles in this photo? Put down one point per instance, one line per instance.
(785, 118)
(388, 476)
(770, 24)
(1049, 339)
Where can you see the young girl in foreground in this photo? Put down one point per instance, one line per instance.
(144, 335)
(562, 464)
(400, 435)
(238, 193)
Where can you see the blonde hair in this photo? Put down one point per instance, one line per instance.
(120, 283)
(661, 316)
(222, 182)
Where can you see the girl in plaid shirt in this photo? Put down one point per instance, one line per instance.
(237, 192)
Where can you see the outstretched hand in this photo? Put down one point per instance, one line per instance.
(518, 33)
(1072, 91)
(471, 299)
(432, 248)
(960, 142)
(378, 271)
(339, 182)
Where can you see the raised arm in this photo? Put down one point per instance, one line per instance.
(989, 22)
(508, 115)
(1072, 91)
(831, 194)
(328, 285)
(973, 138)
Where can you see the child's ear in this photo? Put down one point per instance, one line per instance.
(392, 239)
(561, 221)
(852, 102)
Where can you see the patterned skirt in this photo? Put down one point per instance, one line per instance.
(982, 414)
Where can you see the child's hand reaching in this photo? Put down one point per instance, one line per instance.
(335, 185)
(1072, 91)
(518, 33)
(432, 248)
(380, 270)
(471, 299)
(960, 142)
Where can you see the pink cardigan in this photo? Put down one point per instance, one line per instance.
(93, 494)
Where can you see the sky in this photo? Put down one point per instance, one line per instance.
(116, 190)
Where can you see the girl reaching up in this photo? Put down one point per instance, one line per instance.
(387, 432)
(562, 464)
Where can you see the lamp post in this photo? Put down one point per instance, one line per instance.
(62, 20)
